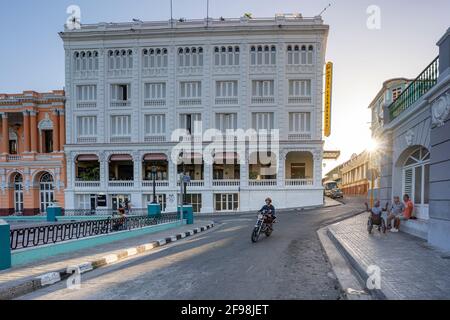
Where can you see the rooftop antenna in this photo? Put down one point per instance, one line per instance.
(171, 14)
(325, 9)
(207, 13)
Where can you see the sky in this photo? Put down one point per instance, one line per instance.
(32, 55)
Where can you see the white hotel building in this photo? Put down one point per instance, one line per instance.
(130, 85)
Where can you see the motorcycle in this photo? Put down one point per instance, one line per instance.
(264, 224)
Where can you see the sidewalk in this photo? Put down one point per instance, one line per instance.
(27, 278)
(410, 269)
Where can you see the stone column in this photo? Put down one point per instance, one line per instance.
(318, 156)
(26, 131)
(281, 173)
(5, 133)
(103, 160)
(244, 169)
(137, 166)
(62, 129)
(33, 131)
(55, 121)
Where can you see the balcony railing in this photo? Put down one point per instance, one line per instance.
(299, 100)
(262, 183)
(155, 103)
(421, 85)
(299, 136)
(159, 183)
(226, 101)
(120, 104)
(14, 157)
(194, 183)
(226, 183)
(190, 101)
(87, 105)
(87, 184)
(299, 182)
(121, 184)
(263, 100)
(155, 138)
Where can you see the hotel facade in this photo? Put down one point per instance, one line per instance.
(129, 86)
(32, 161)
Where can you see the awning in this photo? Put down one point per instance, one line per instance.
(155, 157)
(87, 157)
(190, 158)
(121, 157)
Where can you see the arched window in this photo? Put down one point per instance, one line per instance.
(416, 177)
(46, 191)
(310, 54)
(18, 193)
(273, 55)
(303, 55)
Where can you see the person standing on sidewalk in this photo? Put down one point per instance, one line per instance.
(395, 212)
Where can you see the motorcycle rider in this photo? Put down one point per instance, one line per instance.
(268, 208)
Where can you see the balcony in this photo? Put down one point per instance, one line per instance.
(87, 184)
(299, 182)
(194, 183)
(87, 105)
(13, 157)
(155, 103)
(121, 184)
(120, 104)
(421, 85)
(120, 139)
(87, 140)
(159, 183)
(227, 183)
(226, 101)
(263, 100)
(186, 102)
(299, 100)
(262, 183)
(155, 139)
(299, 136)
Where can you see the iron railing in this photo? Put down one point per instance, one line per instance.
(50, 234)
(421, 85)
(103, 212)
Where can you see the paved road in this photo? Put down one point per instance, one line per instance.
(224, 264)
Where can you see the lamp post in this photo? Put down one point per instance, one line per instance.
(185, 185)
(154, 169)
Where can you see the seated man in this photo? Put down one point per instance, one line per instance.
(395, 214)
(376, 212)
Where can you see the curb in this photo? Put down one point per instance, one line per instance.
(379, 294)
(51, 278)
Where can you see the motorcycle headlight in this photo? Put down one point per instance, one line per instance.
(260, 216)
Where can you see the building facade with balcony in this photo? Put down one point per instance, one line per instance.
(355, 176)
(129, 86)
(414, 153)
(32, 161)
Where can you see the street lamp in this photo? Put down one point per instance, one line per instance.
(154, 169)
(372, 150)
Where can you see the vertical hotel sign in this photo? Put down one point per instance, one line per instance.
(328, 97)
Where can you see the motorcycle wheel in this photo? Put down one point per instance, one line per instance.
(268, 233)
(255, 235)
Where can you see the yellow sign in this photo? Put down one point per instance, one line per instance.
(328, 97)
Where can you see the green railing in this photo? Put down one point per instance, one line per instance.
(424, 82)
